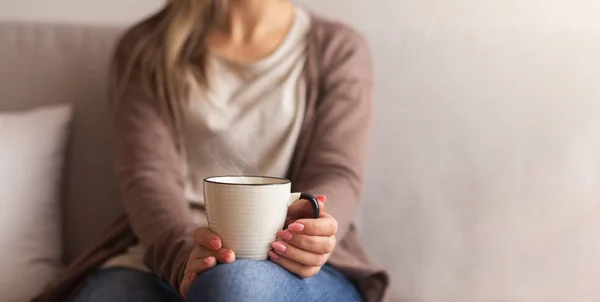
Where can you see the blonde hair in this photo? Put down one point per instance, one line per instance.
(159, 53)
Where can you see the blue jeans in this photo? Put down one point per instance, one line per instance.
(243, 280)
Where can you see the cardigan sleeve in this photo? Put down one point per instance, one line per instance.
(149, 172)
(336, 157)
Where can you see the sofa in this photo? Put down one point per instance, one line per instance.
(51, 64)
(484, 179)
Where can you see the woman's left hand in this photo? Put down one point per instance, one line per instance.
(305, 246)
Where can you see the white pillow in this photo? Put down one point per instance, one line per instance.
(32, 148)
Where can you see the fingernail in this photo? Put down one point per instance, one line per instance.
(296, 227)
(207, 260)
(216, 244)
(322, 198)
(228, 255)
(285, 235)
(273, 255)
(279, 247)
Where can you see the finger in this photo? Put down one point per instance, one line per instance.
(226, 256)
(314, 244)
(207, 239)
(191, 272)
(197, 266)
(299, 209)
(323, 226)
(321, 207)
(184, 287)
(303, 208)
(193, 269)
(222, 255)
(294, 267)
(299, 255)
(321, 201)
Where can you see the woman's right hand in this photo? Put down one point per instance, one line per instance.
(206, 255)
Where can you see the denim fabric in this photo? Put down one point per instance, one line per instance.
(126, 285)
(243, 280)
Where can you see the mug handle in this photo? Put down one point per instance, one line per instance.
(313, 202)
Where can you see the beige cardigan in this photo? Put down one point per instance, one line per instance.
(330, 159)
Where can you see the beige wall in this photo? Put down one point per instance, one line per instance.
(77, 11)
(380, 13)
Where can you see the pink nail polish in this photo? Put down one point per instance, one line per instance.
(228, 256)
(273, 255)
(279, 247)
(207, 260)
(215, 244)
(296, 227)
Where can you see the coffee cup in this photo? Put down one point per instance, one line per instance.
(247, 211)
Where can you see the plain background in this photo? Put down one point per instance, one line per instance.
(368, 14)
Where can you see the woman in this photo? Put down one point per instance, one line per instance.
(207, 88)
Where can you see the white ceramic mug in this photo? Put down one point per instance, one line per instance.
(247, 211)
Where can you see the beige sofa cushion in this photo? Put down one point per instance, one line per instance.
(48, 64)
(31, 159)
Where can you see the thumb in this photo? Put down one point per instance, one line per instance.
(304, 209)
